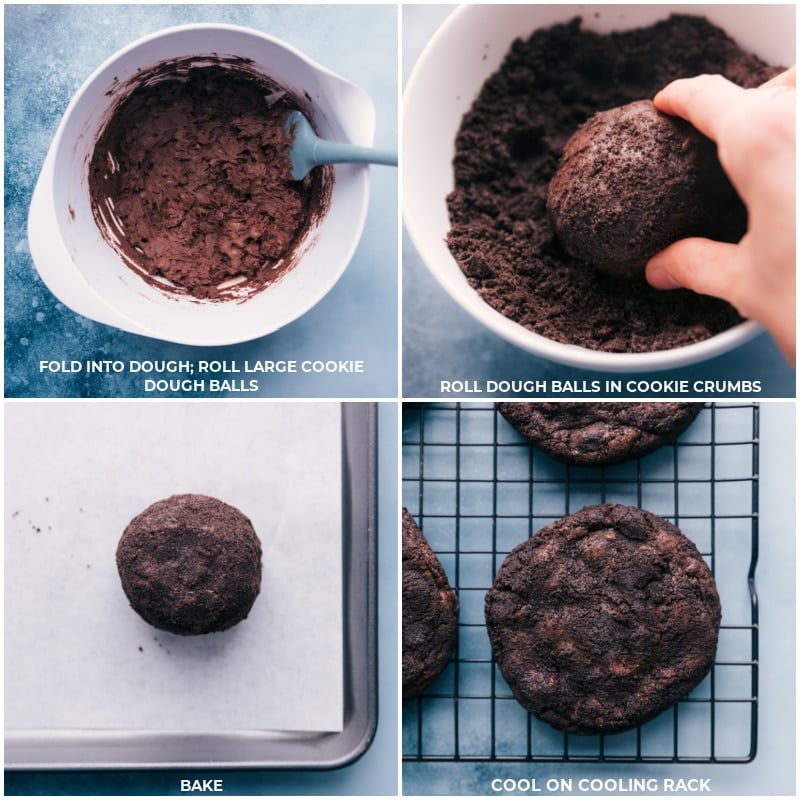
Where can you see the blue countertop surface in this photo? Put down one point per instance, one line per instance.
(49, 51)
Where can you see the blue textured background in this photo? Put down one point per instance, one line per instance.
(49, 51)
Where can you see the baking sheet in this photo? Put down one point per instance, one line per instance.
(77, 657)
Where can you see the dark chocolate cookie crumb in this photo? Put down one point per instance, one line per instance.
(603, 619)
(596, 434)
(190, 564)
(430, 612)
(508, 148)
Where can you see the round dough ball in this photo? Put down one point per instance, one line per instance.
(190, 564)
(633, 180)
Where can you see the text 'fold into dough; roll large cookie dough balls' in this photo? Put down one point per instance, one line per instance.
(633, 180)
(603, 619)
(190, 564)
(430, 612)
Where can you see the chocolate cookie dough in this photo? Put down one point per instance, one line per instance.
(633, 180)
(430, 612)
(603, 619)
(508, 148)
(191, 183)
(595, 434)
(190, 564)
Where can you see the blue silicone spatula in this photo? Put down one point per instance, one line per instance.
(309, 151)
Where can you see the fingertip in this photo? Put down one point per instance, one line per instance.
(787, 78)
(658, 275)
(703, 100)
(662, 99)
(671, 96)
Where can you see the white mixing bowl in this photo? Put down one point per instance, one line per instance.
(464, 52)
(80, 267)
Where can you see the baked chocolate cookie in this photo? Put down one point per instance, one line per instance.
(603, 619)
(190, 564)
(430, 612)
(633, 180)
(595, 434)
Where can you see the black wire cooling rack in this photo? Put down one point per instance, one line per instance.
(477, 490)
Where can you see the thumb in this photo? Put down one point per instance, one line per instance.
(702, 265)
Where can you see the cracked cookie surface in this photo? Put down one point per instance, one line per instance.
(603, 619)
(594, 434)
(430, 612)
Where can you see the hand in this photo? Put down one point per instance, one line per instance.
(754, 130)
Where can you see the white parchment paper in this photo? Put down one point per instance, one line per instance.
(77, 656)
